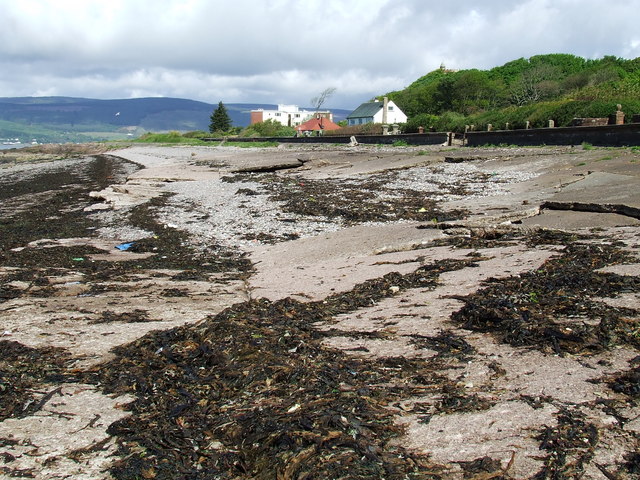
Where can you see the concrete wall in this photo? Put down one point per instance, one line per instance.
(409, 138)
(606, 135)
(590, 122)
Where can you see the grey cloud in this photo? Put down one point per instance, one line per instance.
(287, 50)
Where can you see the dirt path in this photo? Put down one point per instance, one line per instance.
(387, 312)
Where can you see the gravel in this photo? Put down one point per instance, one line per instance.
(439, 179)
(212, 211)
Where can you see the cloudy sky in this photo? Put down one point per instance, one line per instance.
(286, 51)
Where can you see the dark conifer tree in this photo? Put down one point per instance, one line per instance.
(220, 119)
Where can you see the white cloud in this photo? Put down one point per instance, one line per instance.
(286, 51)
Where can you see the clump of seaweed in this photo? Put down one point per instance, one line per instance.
(253, 392)
(135, 316)
(546, 308)
(570, 446)
(353, 201)
(627, 383)
(23, 370)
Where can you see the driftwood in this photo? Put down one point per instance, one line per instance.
(270, 167)
(620, 209)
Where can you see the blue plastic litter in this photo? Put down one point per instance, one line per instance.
(125, 246)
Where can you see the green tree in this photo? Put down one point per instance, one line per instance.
(474, 91)
(220, 119)
(444, 95)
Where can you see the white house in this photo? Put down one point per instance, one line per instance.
(386, 112)
(287, 115)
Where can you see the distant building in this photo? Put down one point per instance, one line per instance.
(316, 125)
(287, 115)
(385, 112)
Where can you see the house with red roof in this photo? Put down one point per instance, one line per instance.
(316, 125)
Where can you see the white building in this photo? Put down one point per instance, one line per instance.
(385, 112)
(287, 115)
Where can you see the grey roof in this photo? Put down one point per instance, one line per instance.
(366, 110)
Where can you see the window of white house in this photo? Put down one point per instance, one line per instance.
(390, 108)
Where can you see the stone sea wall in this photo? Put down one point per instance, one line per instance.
(601, 135)
(604, 135)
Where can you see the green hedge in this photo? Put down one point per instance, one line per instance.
(562, 112)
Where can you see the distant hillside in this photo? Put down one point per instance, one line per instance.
(536, 89)
(64, 119)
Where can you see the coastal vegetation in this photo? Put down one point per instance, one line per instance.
(172, 137)
(194, 138)
(557, 87)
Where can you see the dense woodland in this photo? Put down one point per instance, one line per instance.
(559, 87)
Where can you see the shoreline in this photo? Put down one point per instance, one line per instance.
(407, 296)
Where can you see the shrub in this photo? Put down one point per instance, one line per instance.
(424, 120)
(170, 137)
(364, 129)
(195, 134)
(451, 122)
(268, 128)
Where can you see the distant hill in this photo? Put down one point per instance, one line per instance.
(64, 119)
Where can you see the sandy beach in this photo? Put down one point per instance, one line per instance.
(321, 312)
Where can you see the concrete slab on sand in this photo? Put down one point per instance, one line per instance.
(592, 201)
(572, 220)
(315, 267)
(602, 187)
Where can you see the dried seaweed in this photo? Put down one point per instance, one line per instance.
(136, 316)
(23, 371)
(484, 465)
(18, 472)
(353, 201)
(570, 444)
(253, 393)
(627, 383)
(67, 192)
(632, 464)
(543, 309)
(447, 344)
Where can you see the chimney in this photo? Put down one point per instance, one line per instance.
(385, 107)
